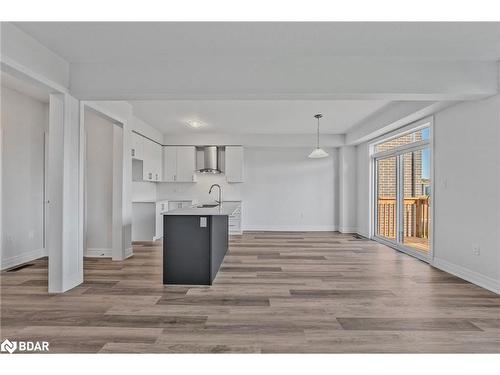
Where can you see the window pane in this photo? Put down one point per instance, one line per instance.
(419, 135)
(386, 198)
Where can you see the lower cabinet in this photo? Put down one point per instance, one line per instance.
(147, 219)
(143, 221)
(172, 205)
(161, 207)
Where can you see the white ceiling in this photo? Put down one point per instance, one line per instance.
(299, 60)
(109, 41)
(255, 116)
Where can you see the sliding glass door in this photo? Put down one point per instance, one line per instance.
(402, 193)
(416, 200)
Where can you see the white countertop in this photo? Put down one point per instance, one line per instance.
(226, 208)
(161, 200)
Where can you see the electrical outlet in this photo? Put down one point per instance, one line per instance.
(476, 250)
(203, 222)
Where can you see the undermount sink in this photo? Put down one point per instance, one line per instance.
(207, 205)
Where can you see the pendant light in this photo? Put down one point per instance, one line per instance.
(318, 152)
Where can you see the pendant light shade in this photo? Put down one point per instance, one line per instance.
(318, 152)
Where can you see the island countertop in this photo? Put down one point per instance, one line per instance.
(226, 208)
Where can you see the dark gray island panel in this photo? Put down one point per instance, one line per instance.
(218, 243)
(194, 247)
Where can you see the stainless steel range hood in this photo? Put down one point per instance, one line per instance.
(210, 160)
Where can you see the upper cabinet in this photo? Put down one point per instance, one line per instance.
(155, 163)
(137, 146)
(234, 164)
(150, 153)
(179, 163)
(169, 163)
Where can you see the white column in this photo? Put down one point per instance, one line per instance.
(117, 235)
(126, 175)
(65, 189)
(347, 190)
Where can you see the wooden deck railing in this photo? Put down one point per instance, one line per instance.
(416, 217)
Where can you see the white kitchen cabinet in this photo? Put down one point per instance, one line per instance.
(147, 220)
(152, 161)
(179, 164)
(169, 163)
(157, 152)
(137, 146)
(161, 207)
(143, 221)
(147, 165)
(186, 163)
(234, 164)
(173, 205)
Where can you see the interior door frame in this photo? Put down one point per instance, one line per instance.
(398, 153)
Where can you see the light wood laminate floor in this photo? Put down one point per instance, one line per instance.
(276, 292)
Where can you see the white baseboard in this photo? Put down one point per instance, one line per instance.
(98, 253)
(468, 275)
(348, 230)
(72, 282)
(291, 228)
(129, 252)
(24, 257)
(366, 235)
(156, 238)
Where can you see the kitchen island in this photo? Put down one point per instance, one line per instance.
(195, 243)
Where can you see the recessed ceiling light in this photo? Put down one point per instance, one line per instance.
(195, 124)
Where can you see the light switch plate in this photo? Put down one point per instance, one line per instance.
(203, 222)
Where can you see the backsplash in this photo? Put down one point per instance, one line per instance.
(199, 190)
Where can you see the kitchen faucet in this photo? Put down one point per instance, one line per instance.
(220, 192)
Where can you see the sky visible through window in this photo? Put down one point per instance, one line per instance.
(426, 156)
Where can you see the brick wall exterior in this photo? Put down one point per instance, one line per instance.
(412, 164)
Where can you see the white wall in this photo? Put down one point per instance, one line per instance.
(99, 198)
(147, 130)
(283, 190)
(363, 180)
(347, 189)
(23, 123)
(467, 190)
